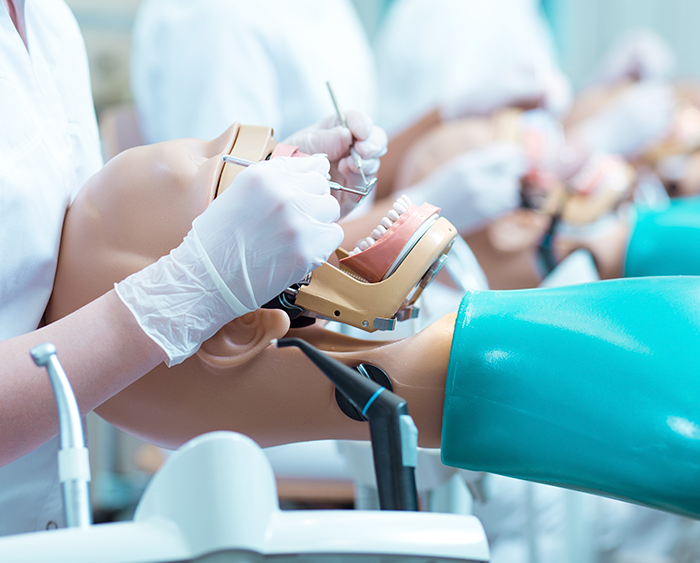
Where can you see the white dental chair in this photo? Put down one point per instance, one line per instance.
(215, 500)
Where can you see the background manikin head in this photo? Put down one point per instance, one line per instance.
(139, 207)
(507, 246)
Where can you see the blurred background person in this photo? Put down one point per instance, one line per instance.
(198, 66)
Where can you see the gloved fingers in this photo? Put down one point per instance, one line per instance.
(319, 207)
(368, 150)
(360, 124)
(318, 241)
(326, 137)
(353, 178)
(347, 166)
(473, 186)
(328, 122)
(317, 162)
(374, 146)
(334, 142)
(307, 175)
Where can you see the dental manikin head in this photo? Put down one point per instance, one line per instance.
(141, 205)
(138, 208)
(586, 205)
(674, 157)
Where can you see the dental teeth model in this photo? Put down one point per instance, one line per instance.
(399, 208)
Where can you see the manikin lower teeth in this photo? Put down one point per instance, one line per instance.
(378, 232)
(399, 208)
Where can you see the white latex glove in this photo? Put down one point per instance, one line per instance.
(329, 137)
(475, 186)
(520, 86)
(270, 228)
(640, 117)
(639, 55)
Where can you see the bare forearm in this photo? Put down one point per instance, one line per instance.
(102, 350)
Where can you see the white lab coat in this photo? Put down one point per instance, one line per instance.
(199, 66)
(432, 50)
(49, 146)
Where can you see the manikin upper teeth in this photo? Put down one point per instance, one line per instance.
(399, 208)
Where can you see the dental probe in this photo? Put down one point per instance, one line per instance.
(355, 157)
(334, 185)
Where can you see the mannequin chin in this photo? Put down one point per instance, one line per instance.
(139, 207)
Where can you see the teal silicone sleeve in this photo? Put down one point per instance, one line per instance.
(592, 387)
(666, 242)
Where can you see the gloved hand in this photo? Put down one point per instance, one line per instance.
(475, 186)
(640, 55)
(329, 137)
(520, 86)
(637, 119)
(273, 226)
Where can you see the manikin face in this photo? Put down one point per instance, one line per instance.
(139, 207)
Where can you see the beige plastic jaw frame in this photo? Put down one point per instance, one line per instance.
(252, 142)
(336, 293)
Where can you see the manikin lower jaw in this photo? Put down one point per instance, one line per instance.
(377, 256)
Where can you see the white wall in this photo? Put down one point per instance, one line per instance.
(588, 27)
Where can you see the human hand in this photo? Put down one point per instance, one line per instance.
(640, 117)
(268, 230)
(329, 137)
(475, 186)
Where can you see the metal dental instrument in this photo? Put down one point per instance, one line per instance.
(355, 157)
(357, 190)
(73, 459)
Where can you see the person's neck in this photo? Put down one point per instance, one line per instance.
(17, 17)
